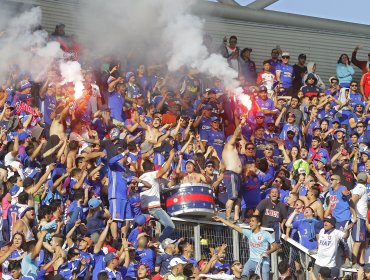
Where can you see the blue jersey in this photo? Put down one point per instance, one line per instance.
(99, 264)
(145, 256)
(339, 204)
(307, 232)
(286, 74)
(117, 180)
(13, 214)
(294, 128)
(265, 104)
(204, 126)
(258, 243)
(321, 153)
(113, 275)
(216, 139)
(115, 103)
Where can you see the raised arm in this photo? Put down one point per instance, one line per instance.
(278, 120)
(167, 164)
(227, 223)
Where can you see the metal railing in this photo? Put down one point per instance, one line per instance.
(207, 234)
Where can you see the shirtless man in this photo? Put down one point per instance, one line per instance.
(191, 176)
(232, 173)
(23, 225)
(153, 134)
(311, 199)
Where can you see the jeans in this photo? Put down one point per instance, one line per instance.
(165, 221)
(250, 267)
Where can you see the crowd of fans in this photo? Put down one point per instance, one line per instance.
(83, 180)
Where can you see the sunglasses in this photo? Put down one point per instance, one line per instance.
(285, 57)
(269, 149)
(260, 117)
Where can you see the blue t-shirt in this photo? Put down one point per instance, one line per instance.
(307, 232)
(145, 256)
(115, 103)
(286, 74)
(216, 139)
(258, 243)
(339, 204)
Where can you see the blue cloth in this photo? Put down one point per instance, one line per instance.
(145, 256)
(286, 74)
(117, 181)
(258, 243)
(344, 73)
(339, 204)
(115, 103)
(307, 232)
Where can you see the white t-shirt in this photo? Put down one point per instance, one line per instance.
(361, 205)
(328, 247)
(151, 197)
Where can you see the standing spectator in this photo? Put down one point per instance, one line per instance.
(359, 199)
(329, 239)
(231, 52)
(344, 71)
(365, 83)
(311, 69)
(248, 67)
(266, 78)
(259, 241)
(362, 64)
(300, 70)
(162, 261)
(285, 74)
(274, 60)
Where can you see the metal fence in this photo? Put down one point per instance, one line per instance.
(207, 234)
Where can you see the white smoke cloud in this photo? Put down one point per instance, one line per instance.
(153, 31)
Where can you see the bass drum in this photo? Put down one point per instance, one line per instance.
(190, 199)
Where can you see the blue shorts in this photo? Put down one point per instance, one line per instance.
(120, 209)
(232, 184)
(359, 231)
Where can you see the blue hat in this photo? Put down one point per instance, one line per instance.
(94, 203)
(129, 75)
(216, 90)
(366, 152)
(359, 103)
(25, 84)
(23, 136)
(322, 159)
(215, 119)
(15, 191)
(207, 107)
(260, 114)
(340, 130)
(262, 88)
(335, 120)
(142, 219)
(110, 256)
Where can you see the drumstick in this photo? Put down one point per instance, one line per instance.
(200, 169)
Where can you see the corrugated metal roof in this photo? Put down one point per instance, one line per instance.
(324, 48)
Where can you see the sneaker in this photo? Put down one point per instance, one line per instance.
(347, 264)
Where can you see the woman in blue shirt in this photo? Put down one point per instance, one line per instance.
(344, 71)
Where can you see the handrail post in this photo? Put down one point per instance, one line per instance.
(197, 251)
(236, 245)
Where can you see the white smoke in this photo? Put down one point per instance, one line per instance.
(153, 31)
(72, 73)
(24, 47)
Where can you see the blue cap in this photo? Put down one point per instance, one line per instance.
(215, 119)
(335, 120)
(94, 203)
(110, 256)
(216, 90)
(142, 219)
(129, 75)
(207, 107)
(23, 136)
(262, 88)
(322, 159)
(15, 190)
(25, 84)
(260, 114)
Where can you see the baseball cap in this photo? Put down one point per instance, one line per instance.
(335, 120)
(176, 261)
(322, 159)
(333, 78)
(260, 114)
(110, 256)
(340, 130)
(285, 54)
(262, 88)
(142, 219)
(94, 203)
(207, 107)
(23, 136)
(167, 242)
(330, 219)
(191, 161)
(215, 119)
(25, 84)
(129, 75)
(15, 191)
(301, 170)
(362, 178)
(302, 55)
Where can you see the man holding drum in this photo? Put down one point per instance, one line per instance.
(233, 167)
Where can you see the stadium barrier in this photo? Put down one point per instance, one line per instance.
(206, 234)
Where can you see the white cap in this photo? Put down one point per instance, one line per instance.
(285, 54)
(176, 261)
(301, 170)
